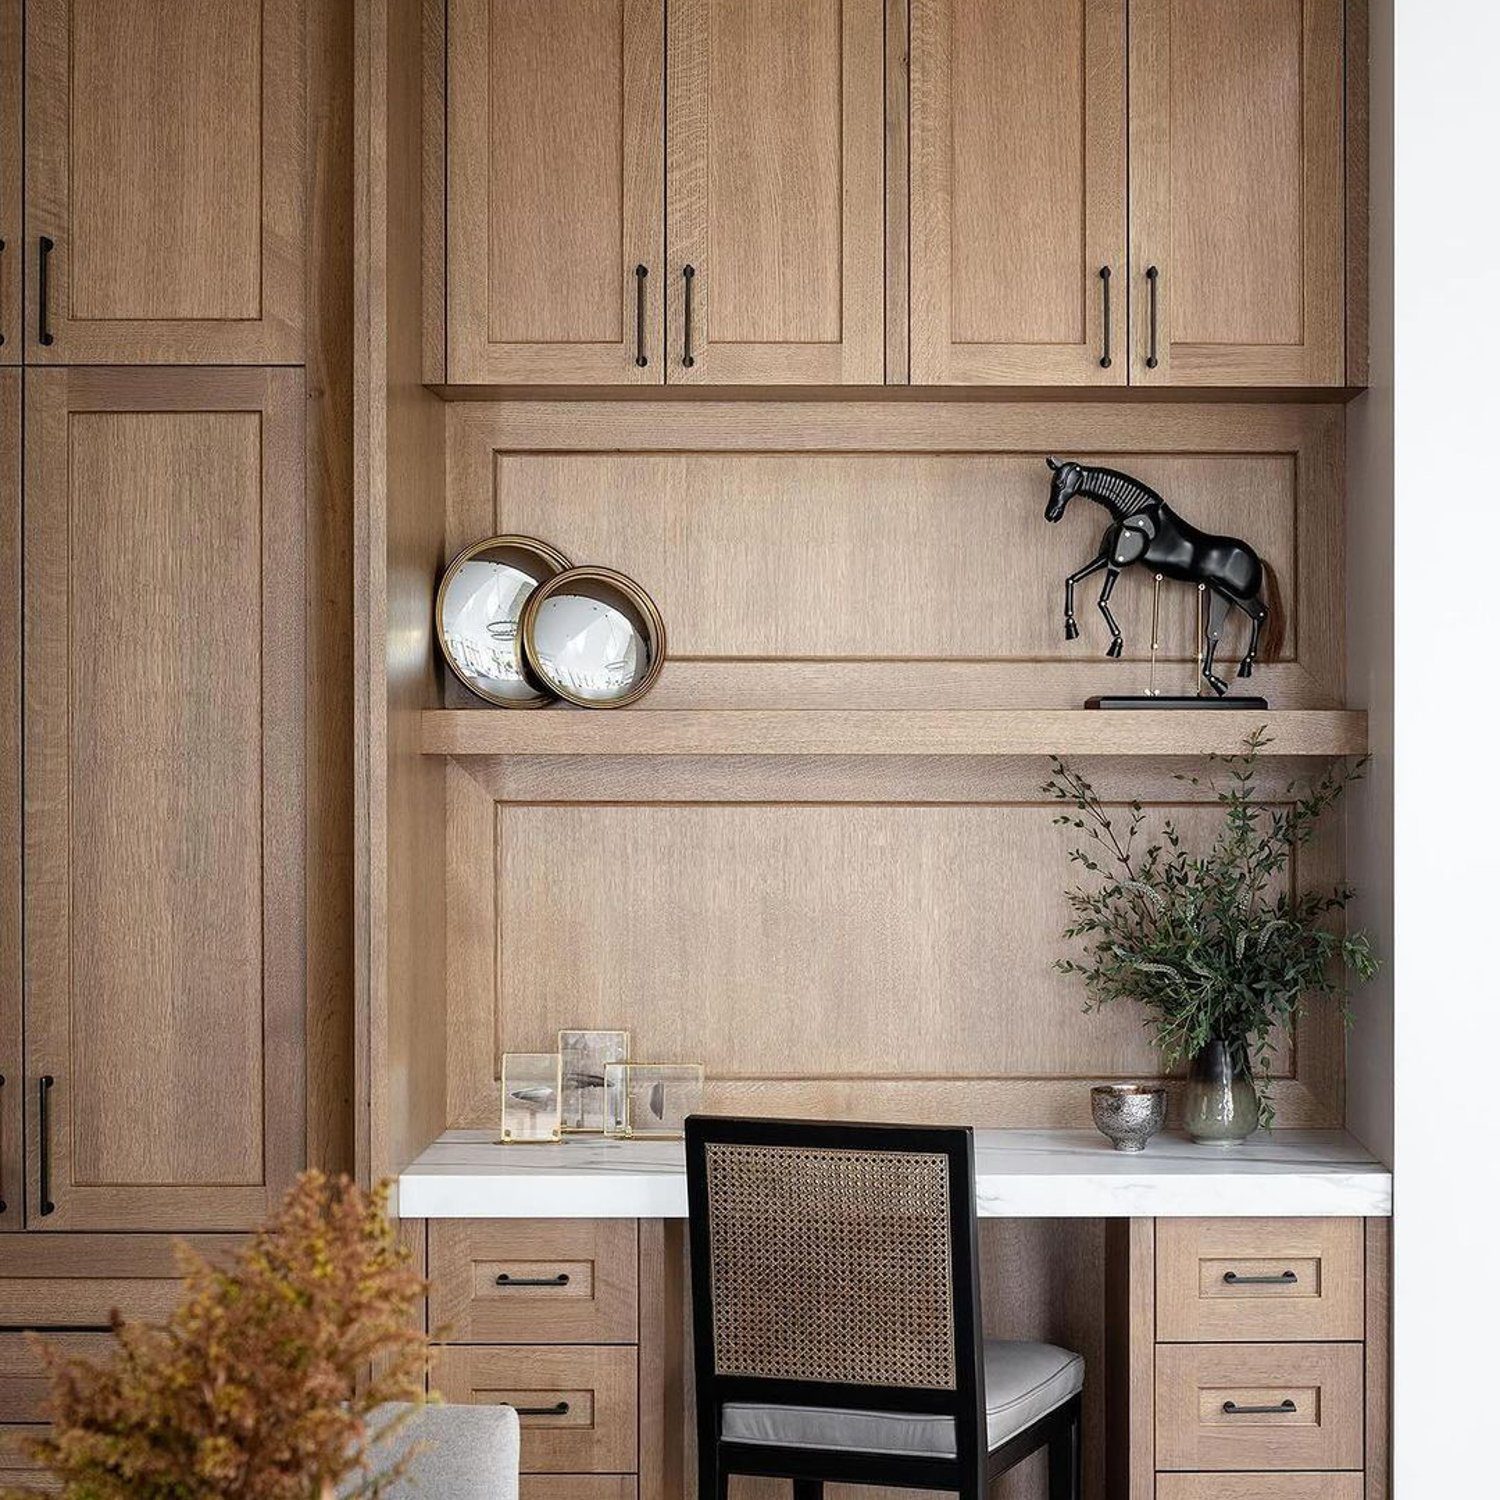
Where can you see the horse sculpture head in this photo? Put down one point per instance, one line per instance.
(1066, 477)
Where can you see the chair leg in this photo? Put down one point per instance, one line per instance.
(807, 1489)
(1064, 1466)
(713, 1481)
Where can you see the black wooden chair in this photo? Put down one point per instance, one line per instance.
(836, 1319)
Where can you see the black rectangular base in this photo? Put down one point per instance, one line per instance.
(1143, 700)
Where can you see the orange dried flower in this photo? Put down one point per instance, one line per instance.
(260, 1384)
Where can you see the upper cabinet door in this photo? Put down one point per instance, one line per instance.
(164, 181)
(775, 203)
(555, 191)
(10, 182)
(1237, 192)
(164, 869)
(1017, 220)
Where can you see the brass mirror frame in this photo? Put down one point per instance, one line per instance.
(656, 632)
(545, 553)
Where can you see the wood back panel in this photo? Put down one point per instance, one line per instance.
(895, 554)
(165, 158)
(164, 790)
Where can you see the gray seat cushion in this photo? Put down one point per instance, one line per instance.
(458, 1452)
(1022, 1383)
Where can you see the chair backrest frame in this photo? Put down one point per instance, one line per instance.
(964, 1400)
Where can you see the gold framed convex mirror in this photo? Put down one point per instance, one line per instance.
(593, 637)
(479, 606)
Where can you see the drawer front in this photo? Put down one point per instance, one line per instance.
(1259, 1406)
(23, 1381)
(75, 1282)
(583, 1487)
(1259, 1279)
(18, 1469)
(577, 1404)
(550, 1281)
(1259, 1487)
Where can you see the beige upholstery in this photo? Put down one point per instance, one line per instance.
(1022, 1383)
(457, 1452)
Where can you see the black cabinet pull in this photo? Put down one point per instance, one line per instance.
(44, 1143)
(43, 259)
(557, 1409)
(640, 317)
(1152, 276)
(1286, 1278)
(687, 316)
(1287, 1407)
(1104, 360)
(504, 1279)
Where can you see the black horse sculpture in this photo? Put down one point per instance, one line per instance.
(1145, 529)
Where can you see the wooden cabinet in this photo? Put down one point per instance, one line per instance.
(1237, 192)
(555, 129)
(11, 1089)
(735, 236)
(775, 209)
(10, 182)
(1017, 215)
(164, 181)
(164, 800)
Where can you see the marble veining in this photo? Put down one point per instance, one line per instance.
(1019, 1174)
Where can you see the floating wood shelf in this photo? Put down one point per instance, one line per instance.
(1025, 731)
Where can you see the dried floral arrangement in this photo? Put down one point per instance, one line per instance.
(261, 1384)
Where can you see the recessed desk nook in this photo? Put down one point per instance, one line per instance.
(915, 372)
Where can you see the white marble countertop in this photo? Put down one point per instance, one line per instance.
(1041, 1174)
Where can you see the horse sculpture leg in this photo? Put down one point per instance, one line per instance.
(1218, 609)
(1259, 614)
(1070, 621)
(1117, 641)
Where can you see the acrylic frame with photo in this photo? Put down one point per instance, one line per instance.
(530, 1098)
(585, 1054)
(650, 1101)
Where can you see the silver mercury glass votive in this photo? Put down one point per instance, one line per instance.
(1129, 1113)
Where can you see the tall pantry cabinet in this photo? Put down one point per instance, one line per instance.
(158, 588)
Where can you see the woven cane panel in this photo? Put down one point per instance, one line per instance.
(831, 1265)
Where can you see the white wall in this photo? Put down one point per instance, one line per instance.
(1447, 803)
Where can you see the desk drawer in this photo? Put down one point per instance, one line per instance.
(1258, 1487)
(590, 1487)
(1259, 1279)
(23, 1380)
(533, 1281)
(577, 1404)
(1306, 1400)
(18, 1469)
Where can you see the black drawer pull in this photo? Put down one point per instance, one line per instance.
(640, 317)
(1286, 1408)
(687, 316)
(1286, 1278)
(44, 1144)
(1151, 278)
(1104, 360)
(505, 1279)
(43, 260)
(558, 1409)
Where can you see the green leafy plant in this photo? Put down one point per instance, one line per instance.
(1213, 945)
(260, 1384)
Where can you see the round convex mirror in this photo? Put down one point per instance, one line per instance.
(593, 637)
(479, 616)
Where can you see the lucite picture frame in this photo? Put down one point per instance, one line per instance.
(650, 1101)
(530, 1098)
(585, 1054)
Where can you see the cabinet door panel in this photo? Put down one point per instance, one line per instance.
(1237, 191)
(165, 147)
(555, 191)
(163, 790)
(10, 800)
(775, 173)
(1017, 192)
(10, 182)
